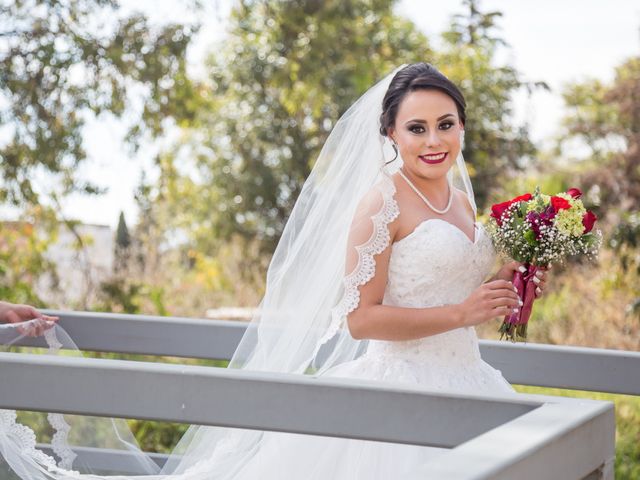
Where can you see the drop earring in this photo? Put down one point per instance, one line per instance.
(395, 149)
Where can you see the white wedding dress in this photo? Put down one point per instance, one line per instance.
(436, 264)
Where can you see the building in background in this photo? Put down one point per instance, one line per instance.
(83, 258)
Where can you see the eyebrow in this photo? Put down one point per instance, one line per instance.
(418, 120)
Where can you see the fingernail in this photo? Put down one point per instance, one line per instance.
(539, 274)
(516, 310)
(522, 269)
(520, 302)
(536, 280)
(538, 291)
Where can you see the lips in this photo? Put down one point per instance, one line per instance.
(434, 159)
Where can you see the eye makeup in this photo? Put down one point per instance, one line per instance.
(412, 127)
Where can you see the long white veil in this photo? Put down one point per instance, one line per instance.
(312, 282)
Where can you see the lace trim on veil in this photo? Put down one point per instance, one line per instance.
(59, 441)
(366, 265)
(25, 438)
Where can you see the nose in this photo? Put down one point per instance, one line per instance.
(433, 139)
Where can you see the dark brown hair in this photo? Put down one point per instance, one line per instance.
(417, 76)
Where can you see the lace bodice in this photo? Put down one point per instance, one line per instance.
(436, 264)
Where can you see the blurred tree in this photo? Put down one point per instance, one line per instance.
(62, 62)
(475, 28)
(495, 147)
(605, 119)
(119, 295)
(122, 248)
(123, 239)
(23, 245)
(286, 73)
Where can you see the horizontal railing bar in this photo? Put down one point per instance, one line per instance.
(557, 440)
(579, 368)
(253, 400)
(148, 334)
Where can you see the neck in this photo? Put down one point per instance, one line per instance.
(435, 189)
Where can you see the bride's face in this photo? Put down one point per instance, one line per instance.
(427, 130)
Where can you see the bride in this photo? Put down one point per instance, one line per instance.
(391, 190)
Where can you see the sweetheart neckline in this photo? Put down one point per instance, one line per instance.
(476, 230)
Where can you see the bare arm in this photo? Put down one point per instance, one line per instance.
(373, 320)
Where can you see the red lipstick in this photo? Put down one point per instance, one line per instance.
(434, 159)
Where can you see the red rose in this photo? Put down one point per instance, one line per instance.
(560, 203)
(522, 198)
(574, 192)
(498, 209)
(588, 220)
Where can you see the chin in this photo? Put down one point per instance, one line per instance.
(431, 171)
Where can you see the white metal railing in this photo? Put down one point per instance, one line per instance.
(580, 368)
(556, 437)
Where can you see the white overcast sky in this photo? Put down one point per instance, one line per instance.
(550, 40)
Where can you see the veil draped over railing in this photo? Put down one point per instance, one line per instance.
(327, 250)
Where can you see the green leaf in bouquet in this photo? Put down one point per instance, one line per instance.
(589, 239)
(518, 220)
(530, 237)
(538, 200)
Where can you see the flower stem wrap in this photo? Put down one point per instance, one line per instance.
(514, 325)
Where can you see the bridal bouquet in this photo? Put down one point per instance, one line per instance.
(539, 230)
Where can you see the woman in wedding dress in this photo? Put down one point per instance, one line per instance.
(390, 189)
(424, 293)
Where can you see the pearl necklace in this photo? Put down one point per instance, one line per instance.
(425, 199)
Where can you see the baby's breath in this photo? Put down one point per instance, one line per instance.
(556, 239)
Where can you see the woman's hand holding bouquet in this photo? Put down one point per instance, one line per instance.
(539, 230)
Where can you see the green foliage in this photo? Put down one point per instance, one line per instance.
(120, 295)
(123, 239)
(475, 28)
(495, 147)
(625, 242)
(606, 118)
(157, 436)
(122, 249)
(64, 61)
(22, 255)
(530, 237)
(287, 72)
